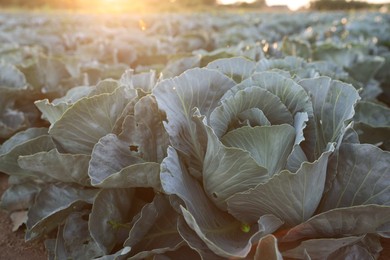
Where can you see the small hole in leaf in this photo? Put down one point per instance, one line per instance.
(215, 195)
(133, 148)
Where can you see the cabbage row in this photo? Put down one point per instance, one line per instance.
(251, 136)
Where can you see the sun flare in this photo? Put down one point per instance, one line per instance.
(147, 6)
(229, 2)
(110, 6)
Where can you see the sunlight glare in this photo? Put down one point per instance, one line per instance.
(110, 5)
(142, 25)
(112, 2)
(229, 2)
(293, 5)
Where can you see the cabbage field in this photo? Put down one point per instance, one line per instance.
(198, 136)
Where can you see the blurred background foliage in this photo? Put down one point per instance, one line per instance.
(338, 5)
(173, 4)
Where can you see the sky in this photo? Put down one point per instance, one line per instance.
(292, 4)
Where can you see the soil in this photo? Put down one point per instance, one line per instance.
(13, 246)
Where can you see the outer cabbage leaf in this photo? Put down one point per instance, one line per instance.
(19, 197)
(267, 248)
(321, 248)
(372, 122)
(298, 156)
(132, 158)
(373, 114)
(21, 137)
(266, 225)
(367, 248)
(9, 161)
(297, 47)
(333, 105)
(365, 67)
(52, 111)
(360, 176)
(75, 239)
(292, 197)
(13, 85)
(296, 66)
(343, 55)
(53, 204)
(221, 233)
(59, 166)
(207, 57)
(11, 78)
(178, 97)
(110, 155)
(353, 251)
(111, 209)
(334, 71)
(74, 94)
(50, 74)
(378, 136)
(371, 91)
(15, 97)
(142, 175)
(154, 230)
(145, 131)
(237, 68)
(11, 122)
(178, 66)
(114, 165)
(89, 119)
(270, 222)
(184, 250)
(354, 58)
(145, 81)
(195, 242)
(119, 255)
(350, 221)
(106, 86)
(288, 63)
(59, 249)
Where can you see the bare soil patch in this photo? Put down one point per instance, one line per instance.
(12, 244)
